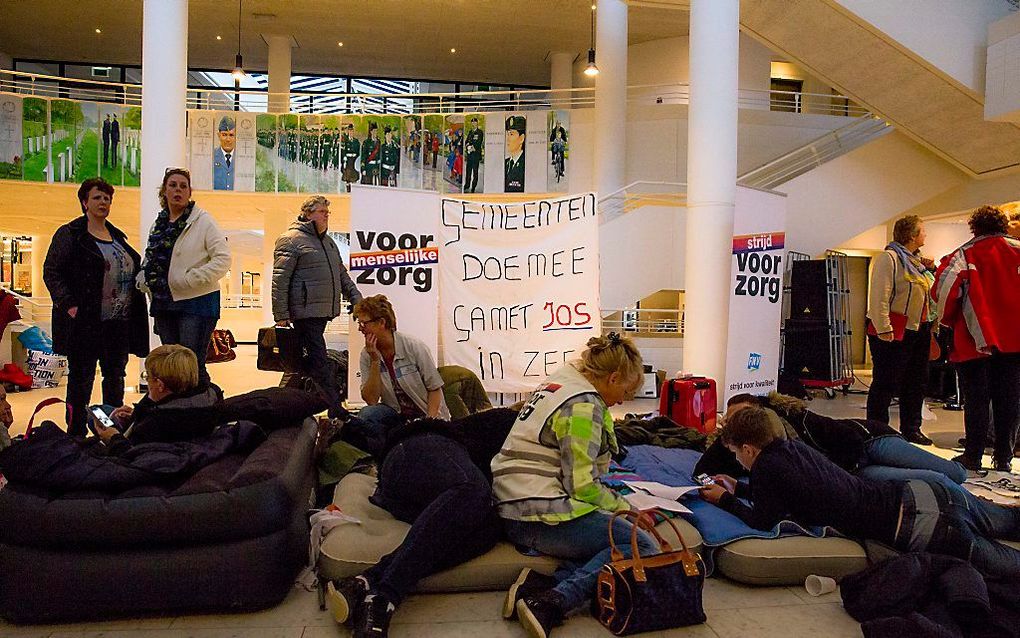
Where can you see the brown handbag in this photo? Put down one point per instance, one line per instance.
(650, 593)
(221, 347)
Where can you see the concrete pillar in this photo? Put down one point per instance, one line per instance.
(279, 72)
(40, 246)
(610, 96)
(711, 183)
(164, 93)
(561, 77)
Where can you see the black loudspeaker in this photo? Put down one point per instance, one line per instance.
(806, 352)
(809, 290)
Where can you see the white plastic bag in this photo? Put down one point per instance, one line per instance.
(46, 369)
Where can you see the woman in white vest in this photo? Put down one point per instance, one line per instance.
(546, 480)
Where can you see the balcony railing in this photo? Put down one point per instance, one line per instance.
(305, 102)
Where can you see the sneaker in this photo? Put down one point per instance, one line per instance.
(346, 597)
(917, 437)
(528, 582)
(968, 463)
(540, 613)
(374, 621)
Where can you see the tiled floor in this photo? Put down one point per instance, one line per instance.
(733, 610)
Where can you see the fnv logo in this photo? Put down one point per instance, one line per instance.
(753, 361)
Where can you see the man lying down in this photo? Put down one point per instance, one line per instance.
(791, 481)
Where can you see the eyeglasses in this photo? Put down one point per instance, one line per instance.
(365, 322)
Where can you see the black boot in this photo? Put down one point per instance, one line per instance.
(374, 621)
(540, 613)
(346, 598)
(527, 583)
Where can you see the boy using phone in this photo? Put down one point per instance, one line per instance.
(173, 384)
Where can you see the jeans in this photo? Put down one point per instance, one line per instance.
(991, 388)
(583, 541)
(890, 458)
(191, 331)
(368, 430)
(900, 367)
(429, 481)
(316, 365)
(107, 343)
(965, 527)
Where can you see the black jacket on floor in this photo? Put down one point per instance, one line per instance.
(931, 596)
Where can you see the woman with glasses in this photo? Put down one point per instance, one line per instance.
(185, 259)
(98, 315)
(399, 379)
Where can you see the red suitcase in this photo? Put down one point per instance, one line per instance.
(691, 402)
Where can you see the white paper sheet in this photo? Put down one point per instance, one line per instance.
(644, 502)
(660, 490)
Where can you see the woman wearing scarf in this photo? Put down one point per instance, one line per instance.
(899, 328)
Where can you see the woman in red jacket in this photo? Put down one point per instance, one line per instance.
(976, 290)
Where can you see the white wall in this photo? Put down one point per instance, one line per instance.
(860, 190)
(950, 34)
(641, 252)
(666, 61)
(943, 238)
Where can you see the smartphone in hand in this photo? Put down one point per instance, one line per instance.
(99, 416)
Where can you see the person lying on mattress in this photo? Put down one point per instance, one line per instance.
(869, 449)
(173, 383)
(792, 481)
(434, 475)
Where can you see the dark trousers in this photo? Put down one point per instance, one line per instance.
(106, 152)
(191, 331)
(900, 367)
(991, 387)
(105, 342)
(316, 365)
(429, 481)
(471, 177)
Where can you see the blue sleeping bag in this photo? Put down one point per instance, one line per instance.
(674, 467)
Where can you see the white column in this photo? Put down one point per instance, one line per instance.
(610, 96)
(279, 72)
(61, 158)
(561, 76)
(711, 183)
(164, 94)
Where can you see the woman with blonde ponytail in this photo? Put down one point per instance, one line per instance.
(546, 480)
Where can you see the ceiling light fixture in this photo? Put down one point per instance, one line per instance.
(591, 70)
(339, 44)
(238, 72)
(99, 30)
(453, 50)
(219, 37)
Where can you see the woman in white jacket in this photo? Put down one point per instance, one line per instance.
(185, 259)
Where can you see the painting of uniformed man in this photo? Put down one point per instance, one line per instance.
(223, 156)
(474, 147)
(513, 165)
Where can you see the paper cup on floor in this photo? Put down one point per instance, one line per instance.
(819, 585)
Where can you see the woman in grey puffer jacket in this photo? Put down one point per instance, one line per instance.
(308, 279)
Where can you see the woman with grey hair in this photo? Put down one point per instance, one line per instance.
(899, 328)
(308, 280)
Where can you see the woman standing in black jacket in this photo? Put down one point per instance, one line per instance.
(98, 314)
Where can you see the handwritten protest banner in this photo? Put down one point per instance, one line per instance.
(519, 287)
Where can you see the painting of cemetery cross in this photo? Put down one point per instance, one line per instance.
(432, 143)
(474, 153)
(411, 152)
(35, 141)
(12, 150)
(131, 153)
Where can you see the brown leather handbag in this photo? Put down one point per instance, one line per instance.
(650, 593)
(221, 347)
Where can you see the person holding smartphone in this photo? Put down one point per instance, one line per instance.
(173, 384)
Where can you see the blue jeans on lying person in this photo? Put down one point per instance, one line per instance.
(891, 458)
(584, 543)
(368, 430)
